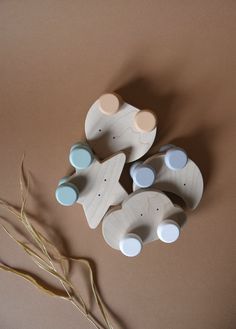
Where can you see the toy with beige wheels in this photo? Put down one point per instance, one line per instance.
(113, 125)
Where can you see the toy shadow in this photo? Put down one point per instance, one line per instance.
(142, 93)
(170, 106)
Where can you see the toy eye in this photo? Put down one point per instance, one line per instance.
(109, 104)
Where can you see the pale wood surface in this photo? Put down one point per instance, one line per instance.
(108, 134)
(99, 187)
(140, 213)
(186, 183)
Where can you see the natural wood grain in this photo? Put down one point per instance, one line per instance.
(140, 213)
(108, 134)
(99, 187)
(187, 183)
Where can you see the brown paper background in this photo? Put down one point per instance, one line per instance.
(176, 57)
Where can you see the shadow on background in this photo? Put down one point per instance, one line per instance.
(169, 108)
(144, 95)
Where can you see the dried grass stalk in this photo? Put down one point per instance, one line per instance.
(46, 258)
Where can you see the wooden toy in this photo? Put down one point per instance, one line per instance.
(177, 174)
(95, 185)
(112, 126)
(118, 132)
(144, 216)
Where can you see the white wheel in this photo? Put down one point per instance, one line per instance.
(168, 231)
(131, 245)
(81, 156)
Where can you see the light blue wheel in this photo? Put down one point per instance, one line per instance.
(81, 156)
(143, 175)
(176, 158)
(67, 194)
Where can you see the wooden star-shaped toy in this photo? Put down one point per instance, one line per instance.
(95, 185)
